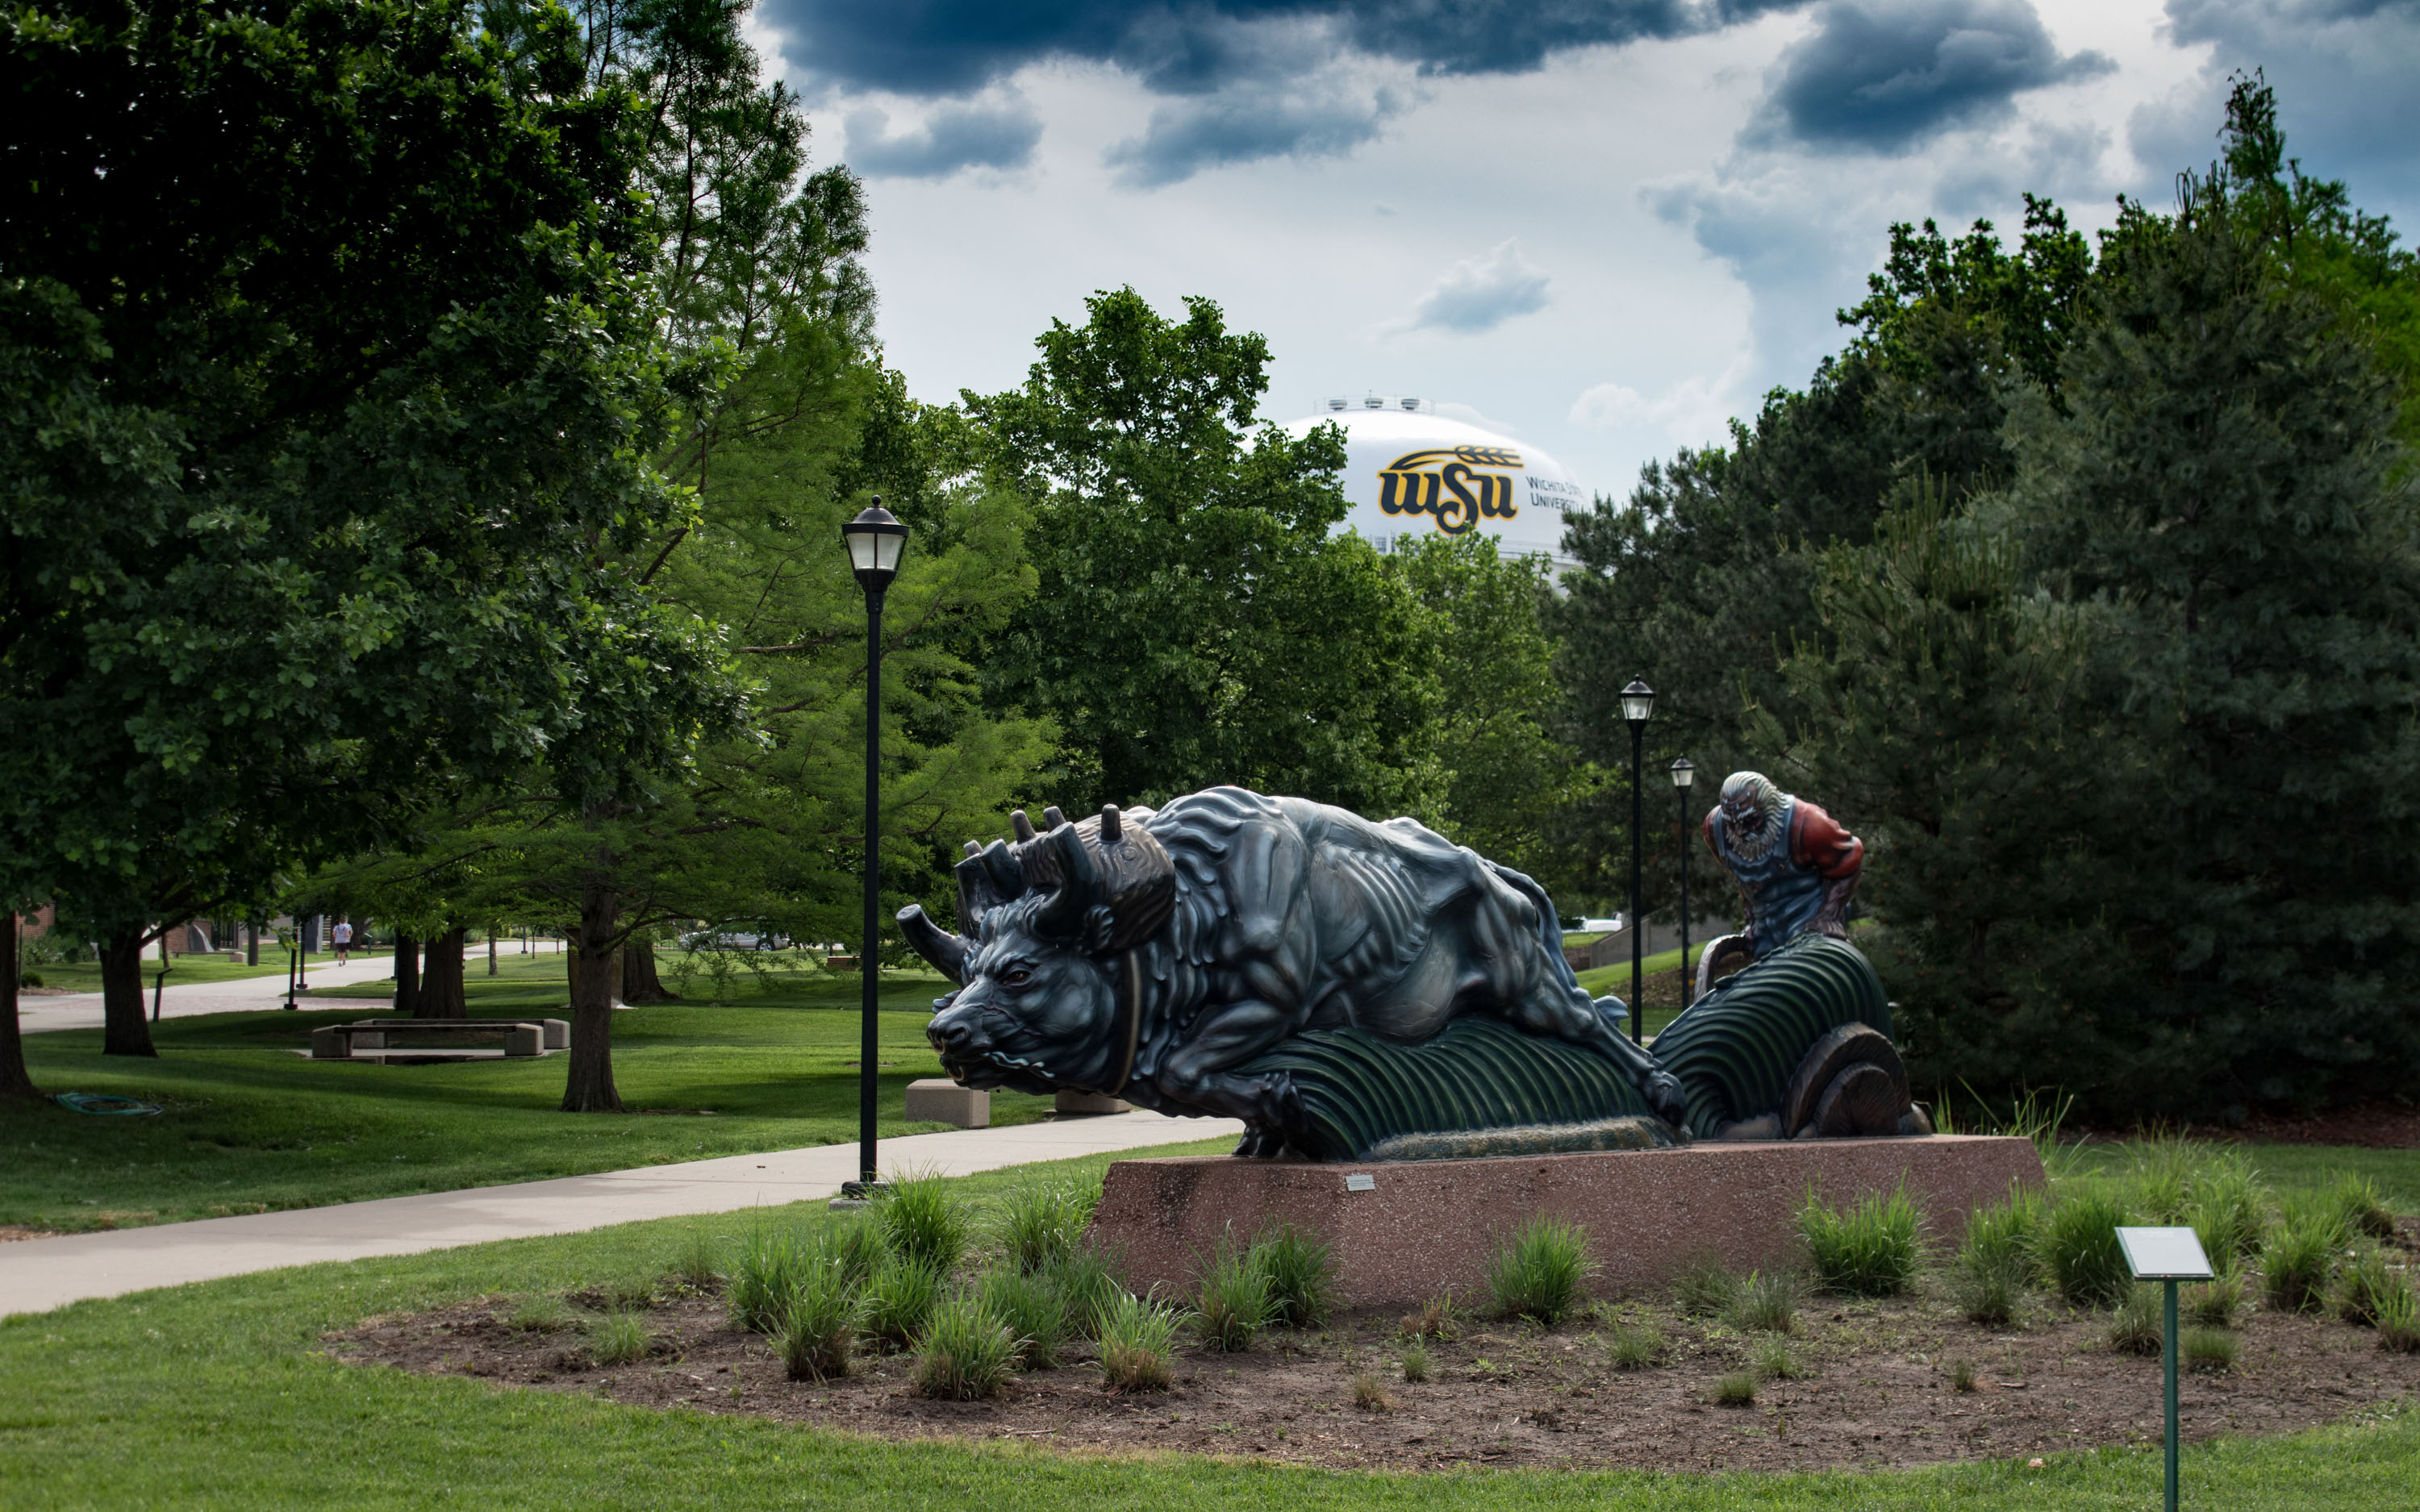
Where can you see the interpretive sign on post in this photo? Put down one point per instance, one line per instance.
(2167, 1256)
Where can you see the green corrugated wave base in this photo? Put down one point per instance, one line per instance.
(1735, 1049)
(1360, 1089)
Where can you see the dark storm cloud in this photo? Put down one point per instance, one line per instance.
(1306, 117)
(950, 47)
(954, 137)
(1886, 75)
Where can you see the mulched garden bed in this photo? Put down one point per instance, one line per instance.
(1879, 1391)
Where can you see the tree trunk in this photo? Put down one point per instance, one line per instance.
(440, 978)
(407, 974)
(588, 1085)
(16, 1084)
(124, 1030)
(640, 983)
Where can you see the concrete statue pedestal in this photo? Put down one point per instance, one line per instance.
(1405, 1231)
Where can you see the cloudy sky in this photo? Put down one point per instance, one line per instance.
(1605, 225)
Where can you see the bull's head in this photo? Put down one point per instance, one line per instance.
(1040, 984)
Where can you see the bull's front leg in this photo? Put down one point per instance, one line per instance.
(1199, 1071)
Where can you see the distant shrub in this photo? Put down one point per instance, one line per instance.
(1869, 1251)
(1301, 1270)
(967, 1353)
(1136, 1339)
(1539, 1270)
(2081, 1252)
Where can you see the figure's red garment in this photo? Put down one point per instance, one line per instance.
(1817, 841)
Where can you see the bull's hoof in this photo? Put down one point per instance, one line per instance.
(1260, 1144)
(1662, 1090)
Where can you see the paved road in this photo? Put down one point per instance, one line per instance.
(82, 1011)
(37, 1275)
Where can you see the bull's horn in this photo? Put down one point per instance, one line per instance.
(1109, 824)
(1023, 825)
(1000, 869)
(1052, 818)
(945, 950)
(974, 847)
(1062, 917)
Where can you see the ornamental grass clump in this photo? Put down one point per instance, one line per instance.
(2299, 1259)
(1089, 1285)
(1738, 1389)
(1035, 1311)
(2359, 1207)
(1990, 1290)
(922, 1217)
(1041, 1222)
(697, 1264)
(619, 1338)
(1415, 1363)
(1702, 1288)
(2230, 1209)
(1301, 1270)
(2398, 1319)
(1434, 1321)
(2080, 1251)
(1635, 1346)
(817, 1332)
(1772, 1360)
(1138, 1340)
(1370, 1395)
(1540, 1271)
(2215, 1302)
(1870, 1251)
(2210, 1351)
(897, 1302)
(1766, 1303)
(853, 1246)
(542, 1314)
(2137, 1327)
(2362, 1284)
(763, 1277)
(967, 1353)
(1231, 1304)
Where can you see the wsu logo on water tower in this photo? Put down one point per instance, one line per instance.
(1447, 484)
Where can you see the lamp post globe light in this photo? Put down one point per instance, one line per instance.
(1683, 773)
(1637, 703)
(876, 540)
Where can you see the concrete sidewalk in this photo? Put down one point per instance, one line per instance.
(37, 1275)
(82, 1011)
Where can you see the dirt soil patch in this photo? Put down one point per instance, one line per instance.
(1878, 1389)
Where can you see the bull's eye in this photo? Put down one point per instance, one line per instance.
(1015, 976)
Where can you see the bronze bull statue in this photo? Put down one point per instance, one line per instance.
(1154, 955)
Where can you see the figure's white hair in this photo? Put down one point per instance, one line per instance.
(1766, 799)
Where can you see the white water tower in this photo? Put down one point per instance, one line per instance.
(1410, 471)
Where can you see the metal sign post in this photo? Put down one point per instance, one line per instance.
(2167, 1256)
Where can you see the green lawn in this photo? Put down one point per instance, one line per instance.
(249, 1124)
(218, 1396)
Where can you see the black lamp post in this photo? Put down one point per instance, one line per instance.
(1682, 775)
(876, 541)
(1637, 702)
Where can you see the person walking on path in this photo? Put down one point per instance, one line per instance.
(344, 940)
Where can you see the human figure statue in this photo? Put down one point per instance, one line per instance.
(1795, 868)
